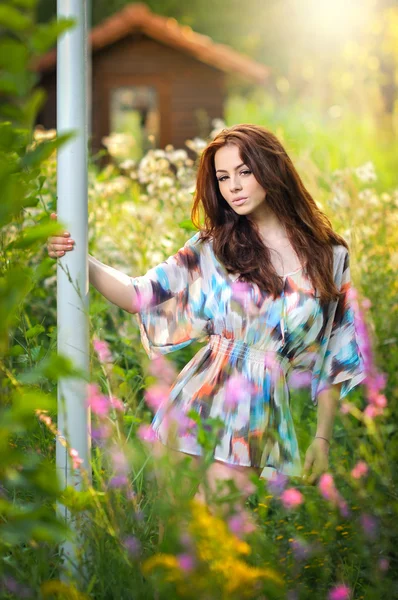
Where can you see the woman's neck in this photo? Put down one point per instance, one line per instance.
(270, 227)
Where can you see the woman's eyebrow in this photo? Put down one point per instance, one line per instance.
(224, 171)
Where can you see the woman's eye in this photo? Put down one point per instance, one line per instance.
(246, 172)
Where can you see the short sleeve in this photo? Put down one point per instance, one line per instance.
(343, 362)
(170, 299)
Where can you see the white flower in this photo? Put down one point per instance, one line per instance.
(366, 172)
(197, 144)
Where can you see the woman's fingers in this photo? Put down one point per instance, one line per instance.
(58, 245)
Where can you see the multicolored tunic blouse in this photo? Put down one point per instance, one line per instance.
(251, 337)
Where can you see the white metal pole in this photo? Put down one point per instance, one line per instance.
(89, 74)
(72, 272)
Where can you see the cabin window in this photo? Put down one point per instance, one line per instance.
(135, 111)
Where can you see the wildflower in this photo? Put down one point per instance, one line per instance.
(186, 562)
(291, 498)
(120, 467)
(366, 172)
(360, 469)
(76, 460)
(102, 349)
(236, 390)
(300, 379)
(118, 481)
(327, 487)
(369, 525)
(162, 369)
(383, 564)
(101, 433)
(132, 545)
(372, 411)
(116, 404)
(146, 433)
(98, 403)
(241, 524)
(339, 592)
(241, 293)
(301, 549)
(277, 483)
(156, 395)
(329, 492)
(346, 407)
(20, 591)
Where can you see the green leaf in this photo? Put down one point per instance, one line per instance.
(44, 150)
(51, 368)
(36, 234)
(12, 139)
(13, 19)
(34, 331)
(13, 55)
(25, 3)
(46, 35)
(26, 401)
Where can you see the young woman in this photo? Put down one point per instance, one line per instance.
(266, 281)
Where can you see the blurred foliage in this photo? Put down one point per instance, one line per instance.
(139, 215)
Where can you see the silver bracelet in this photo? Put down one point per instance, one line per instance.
(322, 438)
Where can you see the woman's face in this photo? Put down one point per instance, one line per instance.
(236, 182)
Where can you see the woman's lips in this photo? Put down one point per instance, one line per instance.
(239, 201)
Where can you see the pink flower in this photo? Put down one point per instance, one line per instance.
(339, 592)
(98, 403)
(186, 562)
(329, 492)
(132, 545)
(301, 549)
(346, 407)
(327, 488)
(163, 370)
(241, 293)
(372, 411)
(369, 525)
(277, 483)
(101, 433)
(118, 481)
(291, 498)
(119, 460)
(76, 460)
(366, 303)
(146, 433)
(300, 379)
(360, 469)
(156, 395)
(236, 390)
(102, 349)
(383, 564)
(241, 524)
(116, 404)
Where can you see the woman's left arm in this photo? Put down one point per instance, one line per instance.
(317, 456)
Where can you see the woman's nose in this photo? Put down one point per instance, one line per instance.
(235, 184)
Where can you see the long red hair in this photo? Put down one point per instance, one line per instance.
(237, 243)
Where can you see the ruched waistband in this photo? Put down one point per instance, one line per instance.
(239, 349)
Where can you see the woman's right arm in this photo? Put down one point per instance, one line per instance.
(114, 285)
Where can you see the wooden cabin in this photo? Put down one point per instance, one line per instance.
(153, 78)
